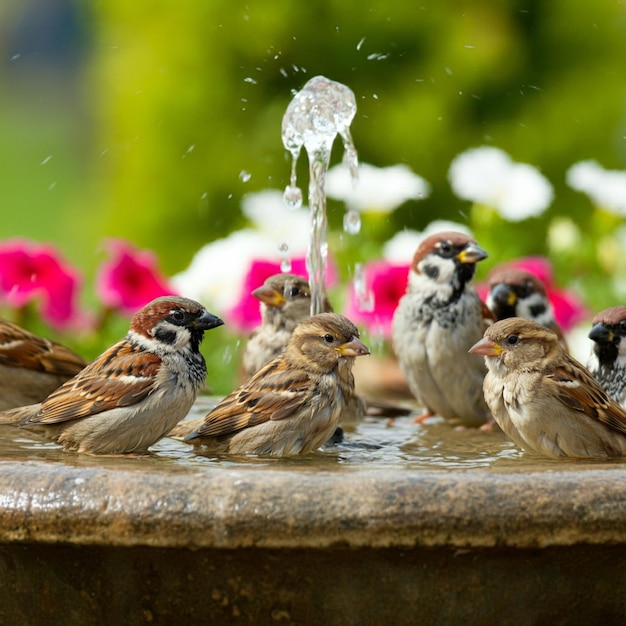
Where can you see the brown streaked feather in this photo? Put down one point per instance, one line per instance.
(21, 348)
(578, 390)
(99, 388)
(268, 395)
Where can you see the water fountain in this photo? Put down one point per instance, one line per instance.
(402, 525)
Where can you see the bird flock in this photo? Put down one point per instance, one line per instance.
(502, 364)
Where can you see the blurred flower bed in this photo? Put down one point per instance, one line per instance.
(502, 201)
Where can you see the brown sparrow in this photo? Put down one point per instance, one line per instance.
(294, 403)
(544, 399)
(607, 361)
(516, 292)
(285, 300)
(434, 325)
(32, 367)
(136, 391)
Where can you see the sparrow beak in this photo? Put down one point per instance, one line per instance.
(601, 334)
(206, 321)
(269, 296)
(486, 347)
(472, 253)
(354, 347)
(503, 295)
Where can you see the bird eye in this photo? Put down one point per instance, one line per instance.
(328, 338)
(446, 249)
(525, 289)
(292, 292)
(177, 315)
(512, 340)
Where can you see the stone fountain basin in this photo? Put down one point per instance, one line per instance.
(86, 542)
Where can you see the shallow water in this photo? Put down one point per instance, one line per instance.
(434, 445)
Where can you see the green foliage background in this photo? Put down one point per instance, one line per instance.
(171, 101)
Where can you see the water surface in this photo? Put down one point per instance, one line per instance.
(372, 444)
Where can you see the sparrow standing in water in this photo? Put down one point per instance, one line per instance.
(435, 324)
(32, 367)
(135, 392)
(543, 399)
(294, 403)
(607, 361)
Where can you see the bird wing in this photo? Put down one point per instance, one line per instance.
(122, 376)
(275, 392)
(21, 348)
(577, 389)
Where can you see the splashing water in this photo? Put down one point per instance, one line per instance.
(319, 112)
(285, 261)
(352, 222)
(364, 295)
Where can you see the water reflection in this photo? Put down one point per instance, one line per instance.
(368, 446)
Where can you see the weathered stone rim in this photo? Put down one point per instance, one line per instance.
(236, 508)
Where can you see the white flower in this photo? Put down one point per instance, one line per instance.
(563, 235)
(272, 217)
(605, 188)
(377, 189)
(402, 246)
(488, 176)
(217, 271)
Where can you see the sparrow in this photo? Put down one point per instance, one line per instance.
(32, 367)
(285, 300)
(436, 322)
(607, 361)
(294, 403)
(544, 399)
(136, 391)
(516, 292)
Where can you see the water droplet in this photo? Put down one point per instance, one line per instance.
(358, 46)
(250, 80)
(352, 222)
(285, 261)
(293, 197)
(46, 159)
(227, 355)
(245, 176)
(364, 295)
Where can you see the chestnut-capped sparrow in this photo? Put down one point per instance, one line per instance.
(136, 391)
(294, 403)
(434, 325)
(607, 361)
(544, 399)
(32, 367)
(516, 292)
(285, 300)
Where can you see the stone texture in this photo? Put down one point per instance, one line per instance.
(280, 509)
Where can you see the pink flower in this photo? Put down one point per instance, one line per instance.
(568, 308)
(387, 284)
(130, 278)
(29, 271)
(245, 316)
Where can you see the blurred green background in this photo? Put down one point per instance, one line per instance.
(135, 119)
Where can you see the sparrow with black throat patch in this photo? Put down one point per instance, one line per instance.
(514, 292)
(136, 391)
(607, 361)
(434, 325)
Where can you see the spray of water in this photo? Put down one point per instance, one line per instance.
(319, 112)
